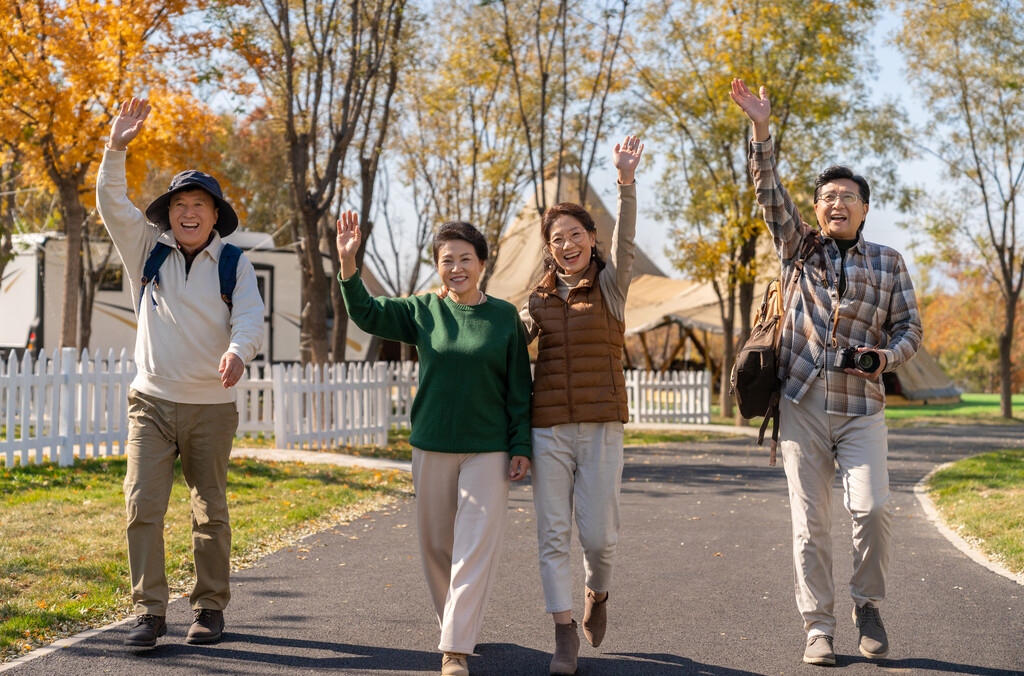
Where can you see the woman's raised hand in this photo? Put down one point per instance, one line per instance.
(349, 237)
(128, 123)
(626, 156)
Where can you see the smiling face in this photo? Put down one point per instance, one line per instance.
(838, 219)
(460, 270)
(571, 244)
(192, 214)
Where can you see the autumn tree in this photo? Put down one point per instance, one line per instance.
(63, 69)
(565, 63)
(967, 61)
(461, 150)
(323, 69)
(813, 59)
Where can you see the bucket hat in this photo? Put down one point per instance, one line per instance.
(191, 179)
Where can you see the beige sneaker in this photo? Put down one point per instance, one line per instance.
(819, 650)
(567, 649)
(595, 618)
(454, 664)
(874, 643)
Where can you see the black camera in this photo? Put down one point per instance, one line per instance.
(849, 358)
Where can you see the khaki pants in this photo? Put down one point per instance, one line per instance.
(461, 512)
(160, 431)
(813, 443)
(577, 467)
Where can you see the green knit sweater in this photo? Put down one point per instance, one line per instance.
(475, 383)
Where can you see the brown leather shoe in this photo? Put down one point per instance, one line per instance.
(567, 649)
(595, 618)
(147, 629)
(207, 627)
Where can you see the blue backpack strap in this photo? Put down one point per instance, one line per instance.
(151, 271)
(227, 267)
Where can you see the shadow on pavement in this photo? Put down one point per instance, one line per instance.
(922, 665)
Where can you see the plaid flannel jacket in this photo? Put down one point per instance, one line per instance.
(878, 310)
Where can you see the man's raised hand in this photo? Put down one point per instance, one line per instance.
(756, 107)
(128, 123)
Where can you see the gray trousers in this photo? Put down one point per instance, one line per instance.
(813, 444)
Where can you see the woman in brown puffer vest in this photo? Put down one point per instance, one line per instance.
(577, 313)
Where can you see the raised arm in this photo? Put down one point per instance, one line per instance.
(128, 123)
(615, 277)
(757, 108)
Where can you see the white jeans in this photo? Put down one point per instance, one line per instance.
(576, 465)
(461, 512)
(813, 443)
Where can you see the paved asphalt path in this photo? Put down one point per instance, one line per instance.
(703, 586)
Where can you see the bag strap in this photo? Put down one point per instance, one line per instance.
(151, 270)
(227, 268)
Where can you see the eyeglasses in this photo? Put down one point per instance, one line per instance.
(847, 198)
(576, 237)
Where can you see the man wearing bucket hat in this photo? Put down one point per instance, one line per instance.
(192, 346)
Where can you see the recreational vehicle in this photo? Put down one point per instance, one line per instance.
(32, 292)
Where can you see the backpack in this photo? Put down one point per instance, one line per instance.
(755, 379)
(227, 267)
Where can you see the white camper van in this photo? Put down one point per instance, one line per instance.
(32, 291)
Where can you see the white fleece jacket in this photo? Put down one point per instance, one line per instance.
(184, 325)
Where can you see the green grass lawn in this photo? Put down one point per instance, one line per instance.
(63, 562)
(972, 409)
(982, 498)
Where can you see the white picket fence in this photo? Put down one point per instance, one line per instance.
(669, 397)
(71, 405)
(64, 407)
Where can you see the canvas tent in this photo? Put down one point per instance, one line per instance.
(521, 251)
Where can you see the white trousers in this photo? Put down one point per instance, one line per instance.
(461, 512)
(813, 443)
(577, 465)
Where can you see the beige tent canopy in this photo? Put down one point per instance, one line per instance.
(521, 251)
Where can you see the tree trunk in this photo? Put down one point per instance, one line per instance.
(1006, 358)
(73, 214)
(729, 355)
(314, 287)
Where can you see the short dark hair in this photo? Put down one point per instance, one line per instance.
(467, 232)
(552, 214)
(838, 171)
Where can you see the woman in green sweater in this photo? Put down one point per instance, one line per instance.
(474, 374)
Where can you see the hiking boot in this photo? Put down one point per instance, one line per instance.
(819, 650)
(207, 627)
(567, 648)
(595, 618)
(874, 644)
(147, 629)
(454, 664)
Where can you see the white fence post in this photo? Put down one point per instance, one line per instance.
(67, 432)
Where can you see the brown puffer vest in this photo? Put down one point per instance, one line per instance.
(578, 376)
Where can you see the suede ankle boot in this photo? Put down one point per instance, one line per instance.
(567, 648)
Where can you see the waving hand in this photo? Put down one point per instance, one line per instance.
(756, 107)
(128, 123)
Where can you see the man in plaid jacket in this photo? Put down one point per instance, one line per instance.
(854, 297)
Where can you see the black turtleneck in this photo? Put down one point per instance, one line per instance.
(844, 246)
